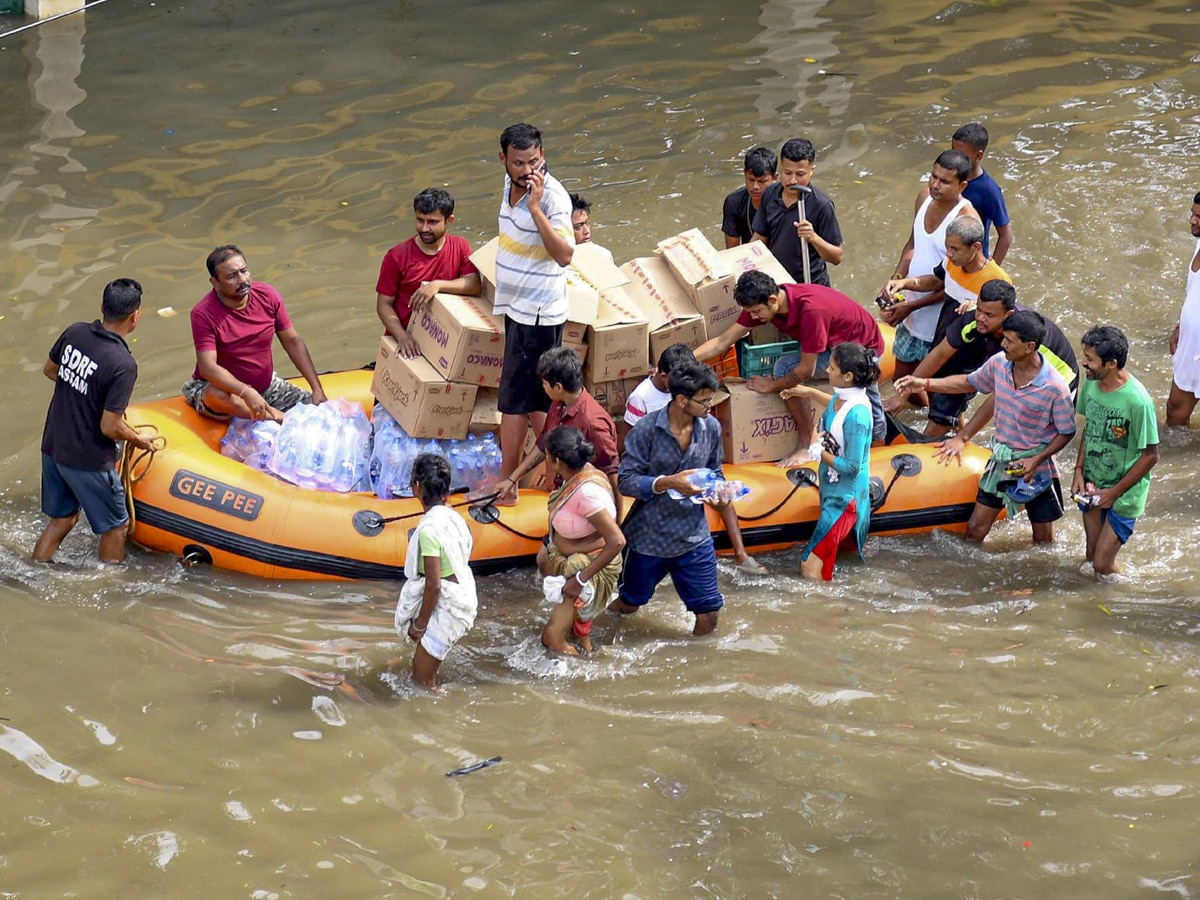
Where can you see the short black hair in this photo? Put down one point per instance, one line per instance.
(219, 255)
(561, 365)
(432, 473)
(122, 297)
(434, 199)
(569, 446)
(760, 161)
(973, 134)
(798, 150)
(1196, 199)
(1027, 325)
(955, 161)
(577, 202)
(521, 136)
(754, 287)
(690, 377)
(1109, 342)
(999, 291)
(673, 356)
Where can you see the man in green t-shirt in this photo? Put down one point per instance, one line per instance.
(1118, 448)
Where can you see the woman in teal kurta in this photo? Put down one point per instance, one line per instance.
(844, 446)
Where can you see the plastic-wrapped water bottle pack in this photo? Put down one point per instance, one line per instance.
(473, 461)
(323, 447)
(333, 447)
(250, 442)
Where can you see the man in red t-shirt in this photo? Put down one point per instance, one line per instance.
(819, 318)
(233, 328)
(428, 263)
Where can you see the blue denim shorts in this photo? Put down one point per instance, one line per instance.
(694, 575)
(65, 490)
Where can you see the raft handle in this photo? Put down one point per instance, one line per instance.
(194, 555)
(904, 465)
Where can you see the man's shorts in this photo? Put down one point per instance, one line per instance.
(520, 388)
(694, 575)
(908, 349)
(789, 361)
(1122, 526)
(945, 409)
(281, 394)
(1045, 507)
(65, 490)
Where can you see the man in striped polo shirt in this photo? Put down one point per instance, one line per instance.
(1035, 418)
(536, 243)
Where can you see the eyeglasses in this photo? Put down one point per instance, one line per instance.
(703, 404)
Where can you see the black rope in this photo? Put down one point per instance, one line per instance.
(486, 500)
(774, 509)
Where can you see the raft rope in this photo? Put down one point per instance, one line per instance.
(131, 459)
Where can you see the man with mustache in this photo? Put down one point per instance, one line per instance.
(429, 262)
(233, 328)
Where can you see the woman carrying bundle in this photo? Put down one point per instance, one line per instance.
(844, 448)
(584, 543)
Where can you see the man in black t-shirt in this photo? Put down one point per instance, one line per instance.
(741, 206)
(778, 221)
(969, 340)
(93, 374)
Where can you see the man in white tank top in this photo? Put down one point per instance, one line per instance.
(1185, 339)
(916, 316)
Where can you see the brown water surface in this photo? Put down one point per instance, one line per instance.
(946, 721)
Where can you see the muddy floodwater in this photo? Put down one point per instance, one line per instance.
(943, 721)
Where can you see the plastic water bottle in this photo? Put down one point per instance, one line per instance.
(456, 455)
(492, 459)
(699, 479)
(406, 453)
(473, 477)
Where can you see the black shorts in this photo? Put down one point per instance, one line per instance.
(520, 388)
(944, 409)
(1045, 507)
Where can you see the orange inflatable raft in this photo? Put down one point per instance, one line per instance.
(190, 500)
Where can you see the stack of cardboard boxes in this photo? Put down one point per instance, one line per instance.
(620, 320)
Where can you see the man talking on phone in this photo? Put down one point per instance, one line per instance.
(536, 243)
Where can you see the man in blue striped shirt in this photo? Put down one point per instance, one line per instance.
(536, 243)
(666, 534)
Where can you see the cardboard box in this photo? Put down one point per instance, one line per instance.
(485, 415)
(618, 342)
(612, 394)
(462, 338)
(424, 403)
(575, 336)
(709, 276)
(590, 272)
(755, 427)
(670, 315)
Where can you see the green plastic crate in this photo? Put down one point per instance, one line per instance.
(761, 359)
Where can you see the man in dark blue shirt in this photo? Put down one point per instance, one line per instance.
(664, 534)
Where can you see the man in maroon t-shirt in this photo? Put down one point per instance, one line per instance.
(819, 318)
(429, 262)
(233, 329)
